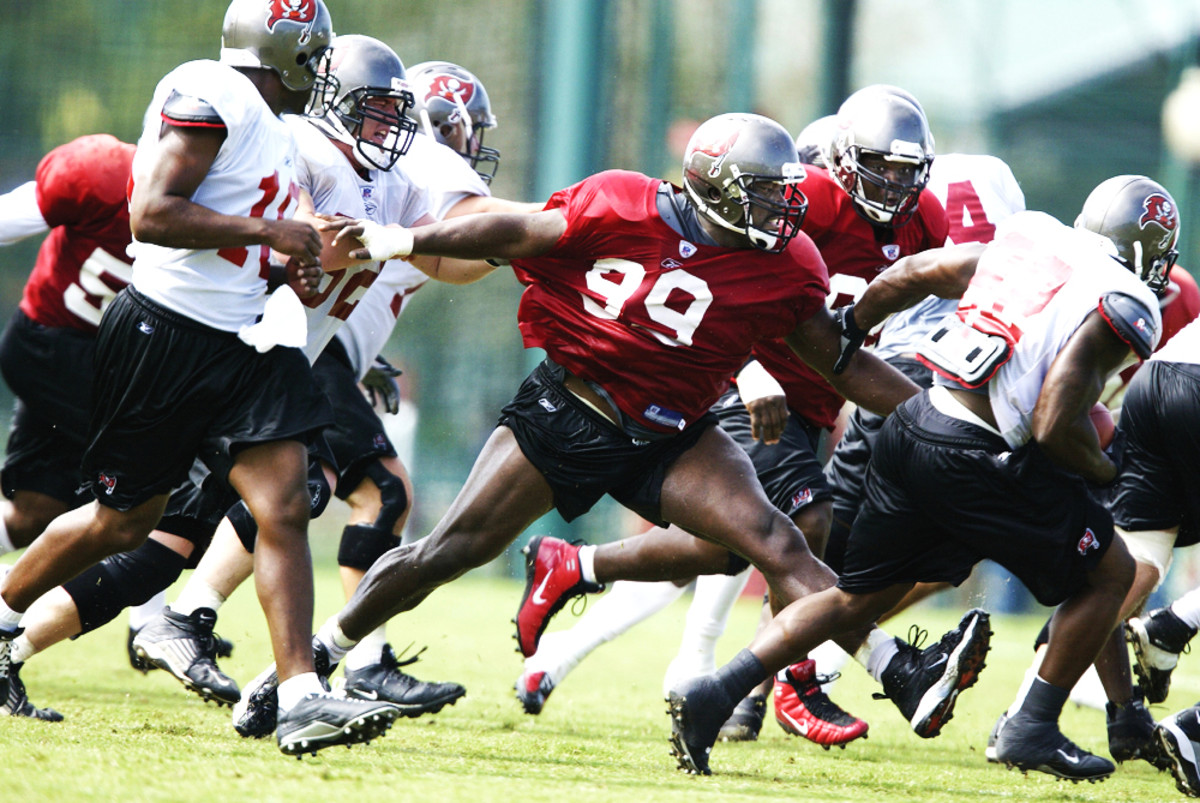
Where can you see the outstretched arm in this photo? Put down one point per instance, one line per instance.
(867, 381)
(943, 272)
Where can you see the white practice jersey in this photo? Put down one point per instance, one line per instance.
(1039, 280)
(978, 192)
(1183, 347)
(253, 175)
(338, 189)
(447, 179)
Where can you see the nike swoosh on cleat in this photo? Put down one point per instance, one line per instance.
(1070, 758)
(940, 660)
(538, 599)
(801, 727)
(368, 695)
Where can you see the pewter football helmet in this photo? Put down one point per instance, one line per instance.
(289, 37)
(885, 126)
(1141, 219)
(452, 106)
(740, 171)
(365, 72)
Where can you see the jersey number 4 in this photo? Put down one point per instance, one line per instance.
(665, 303)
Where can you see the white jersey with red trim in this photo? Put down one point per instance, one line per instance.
(446, 179)
(253, 175)
(1037, 282)
(978, 192)
(337, 188)
(1184, 347)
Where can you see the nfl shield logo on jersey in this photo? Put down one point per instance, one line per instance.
(686, 249)
(1088, 541)
(891, 252)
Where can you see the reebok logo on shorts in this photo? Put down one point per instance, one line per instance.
(145, 328)
(549, 405)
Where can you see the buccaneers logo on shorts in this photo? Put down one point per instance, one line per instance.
(1088, 541)
(1162, 212)
(302, 11)
(109, 482)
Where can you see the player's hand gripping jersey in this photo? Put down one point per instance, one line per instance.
(663, 323)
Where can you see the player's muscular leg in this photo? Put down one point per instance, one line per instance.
(712, 490)
(1081, 625)
(272, 478)
(503, 495)
(366, 504)
(829, 614)
(28, 514)
(659, 553)
(75, 541)
(814, 521)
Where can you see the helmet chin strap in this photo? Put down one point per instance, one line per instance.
(708, 212)
(331, 126)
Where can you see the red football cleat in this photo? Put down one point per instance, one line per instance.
(552, 577)
(802, 709)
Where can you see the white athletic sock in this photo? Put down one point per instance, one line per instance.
(335, 640)
(1030, 675)
(876, 652)
(830, 659)
(9, 619)
(1187, 608)
(707, 617)
(6, 544)
(295, 689)
(22, 650)
(139, 615)
(587, 563)
(369, 651)
(625, 604)
(197, 594)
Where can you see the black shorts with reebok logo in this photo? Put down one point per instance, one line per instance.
(1159, 484)
(942, 494)
(169, 389)
(356, 437)
(789, 470)
(847, 468)
(49, 370)
(583, 455)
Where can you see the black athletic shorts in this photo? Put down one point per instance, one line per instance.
(942, 494)
(357, 436)
(1159, 484)
(169, 389)
(789, 470)
(847, 468)
(583, 455)
(49, 370)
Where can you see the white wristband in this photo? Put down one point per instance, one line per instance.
(386, 242)
(754, 383)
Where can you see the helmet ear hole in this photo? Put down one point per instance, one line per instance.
(713, 194)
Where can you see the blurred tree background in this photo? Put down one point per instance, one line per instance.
(1067, 92)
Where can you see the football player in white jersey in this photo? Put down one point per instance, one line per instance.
(995, 460)
(356, 182)
(213, 193)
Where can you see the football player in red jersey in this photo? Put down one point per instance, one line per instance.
(863, 219)
(647, 297)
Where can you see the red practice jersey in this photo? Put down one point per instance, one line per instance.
(854, 256)
(659, 322)
(83, 262)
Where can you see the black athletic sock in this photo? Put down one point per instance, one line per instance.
(1044, 702)
(739, 677)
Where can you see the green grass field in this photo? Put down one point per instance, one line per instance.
(602, 736)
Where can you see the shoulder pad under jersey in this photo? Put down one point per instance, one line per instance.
(1132, 322)
(187, 110)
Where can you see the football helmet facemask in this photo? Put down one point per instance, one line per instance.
(368, 84)
(289, 37)
(452, 107)
(1140, 218)
(881, 153)
(741, 171)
